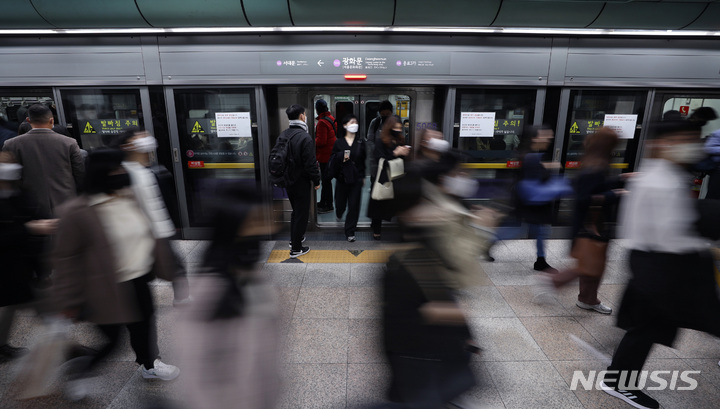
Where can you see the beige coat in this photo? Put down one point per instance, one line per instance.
(53, 167)
(85, 270)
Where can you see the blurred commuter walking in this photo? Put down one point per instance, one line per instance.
(153, 188)
(596, 198)
(20, 249)
(104, 254)
(230, 334)
(348, 162)
(535, 192)
(391, 150)
(427, 340)
(672, 284)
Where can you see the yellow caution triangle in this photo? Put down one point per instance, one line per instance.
(197, 128)
(574, 128)
(88, 128)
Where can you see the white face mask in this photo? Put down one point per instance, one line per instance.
(145, 145)
(10, 171)
(437, 145)
(459, 186)
(353, 128)
(685, 153)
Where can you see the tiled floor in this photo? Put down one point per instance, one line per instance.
(331, 326)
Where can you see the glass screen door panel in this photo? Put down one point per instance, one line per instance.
(488, 126)
(589, 110)
(96, 116)
(217, 130)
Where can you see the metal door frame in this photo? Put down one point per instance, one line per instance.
(201, 233)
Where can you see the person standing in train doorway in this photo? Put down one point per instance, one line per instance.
(325, 137)
(374, 130)
(302, 151)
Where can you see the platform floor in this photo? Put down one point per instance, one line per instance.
(331, 355)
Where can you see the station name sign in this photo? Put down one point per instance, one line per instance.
(347, 62)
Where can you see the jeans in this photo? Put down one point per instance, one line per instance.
(539, 232)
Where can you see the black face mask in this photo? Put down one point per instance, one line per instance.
(116, 182)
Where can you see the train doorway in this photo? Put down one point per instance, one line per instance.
(418, 108)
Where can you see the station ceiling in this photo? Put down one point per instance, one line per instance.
(569, 14)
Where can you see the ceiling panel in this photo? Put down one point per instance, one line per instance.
(547, 14)
(648, 15)
(448, 13)
(21, 14)
(708, 20)
(192, 13)
(267, 13)
(90, 13)
(342, 13)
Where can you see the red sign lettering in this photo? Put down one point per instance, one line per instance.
(196, 164)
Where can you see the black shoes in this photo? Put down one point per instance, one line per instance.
(298, 253)
(321, 209)
(636, 398)
(7, 352)
(542, 265)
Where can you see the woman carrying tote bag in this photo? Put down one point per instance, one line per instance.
(391, 154)
(597, 198)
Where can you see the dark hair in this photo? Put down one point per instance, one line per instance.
(530, 133)
(663, 129)
(672, 115)
(98, 166)
(385, 106)
(599, 147)
(349, 117)
(24, 127)
(294, 111)
(387, 138)
(39, 114)
(321, 106)
(62, 130)
(703, 115)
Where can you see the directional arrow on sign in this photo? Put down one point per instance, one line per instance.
(320, 63)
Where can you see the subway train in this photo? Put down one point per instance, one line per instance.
(216, 102)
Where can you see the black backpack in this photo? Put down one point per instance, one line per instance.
(281, 163)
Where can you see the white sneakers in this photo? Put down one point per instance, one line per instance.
(599, 307)
(160, 370)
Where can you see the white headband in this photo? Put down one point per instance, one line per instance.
(10, 171)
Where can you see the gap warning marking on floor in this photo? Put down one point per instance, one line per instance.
(333, 256)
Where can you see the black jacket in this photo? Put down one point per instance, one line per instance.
(302, 150)
(353, 170)
(18, 249)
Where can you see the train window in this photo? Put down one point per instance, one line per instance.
(686, 106)
(14, 103)
(94, 116)
(488, 128)
(591, 109)
(217, 131)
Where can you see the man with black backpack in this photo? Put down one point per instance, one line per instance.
(293, 166)
(325, 137)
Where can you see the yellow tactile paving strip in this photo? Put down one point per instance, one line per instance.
(333, 256)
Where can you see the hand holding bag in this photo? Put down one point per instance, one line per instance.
(394, 168)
